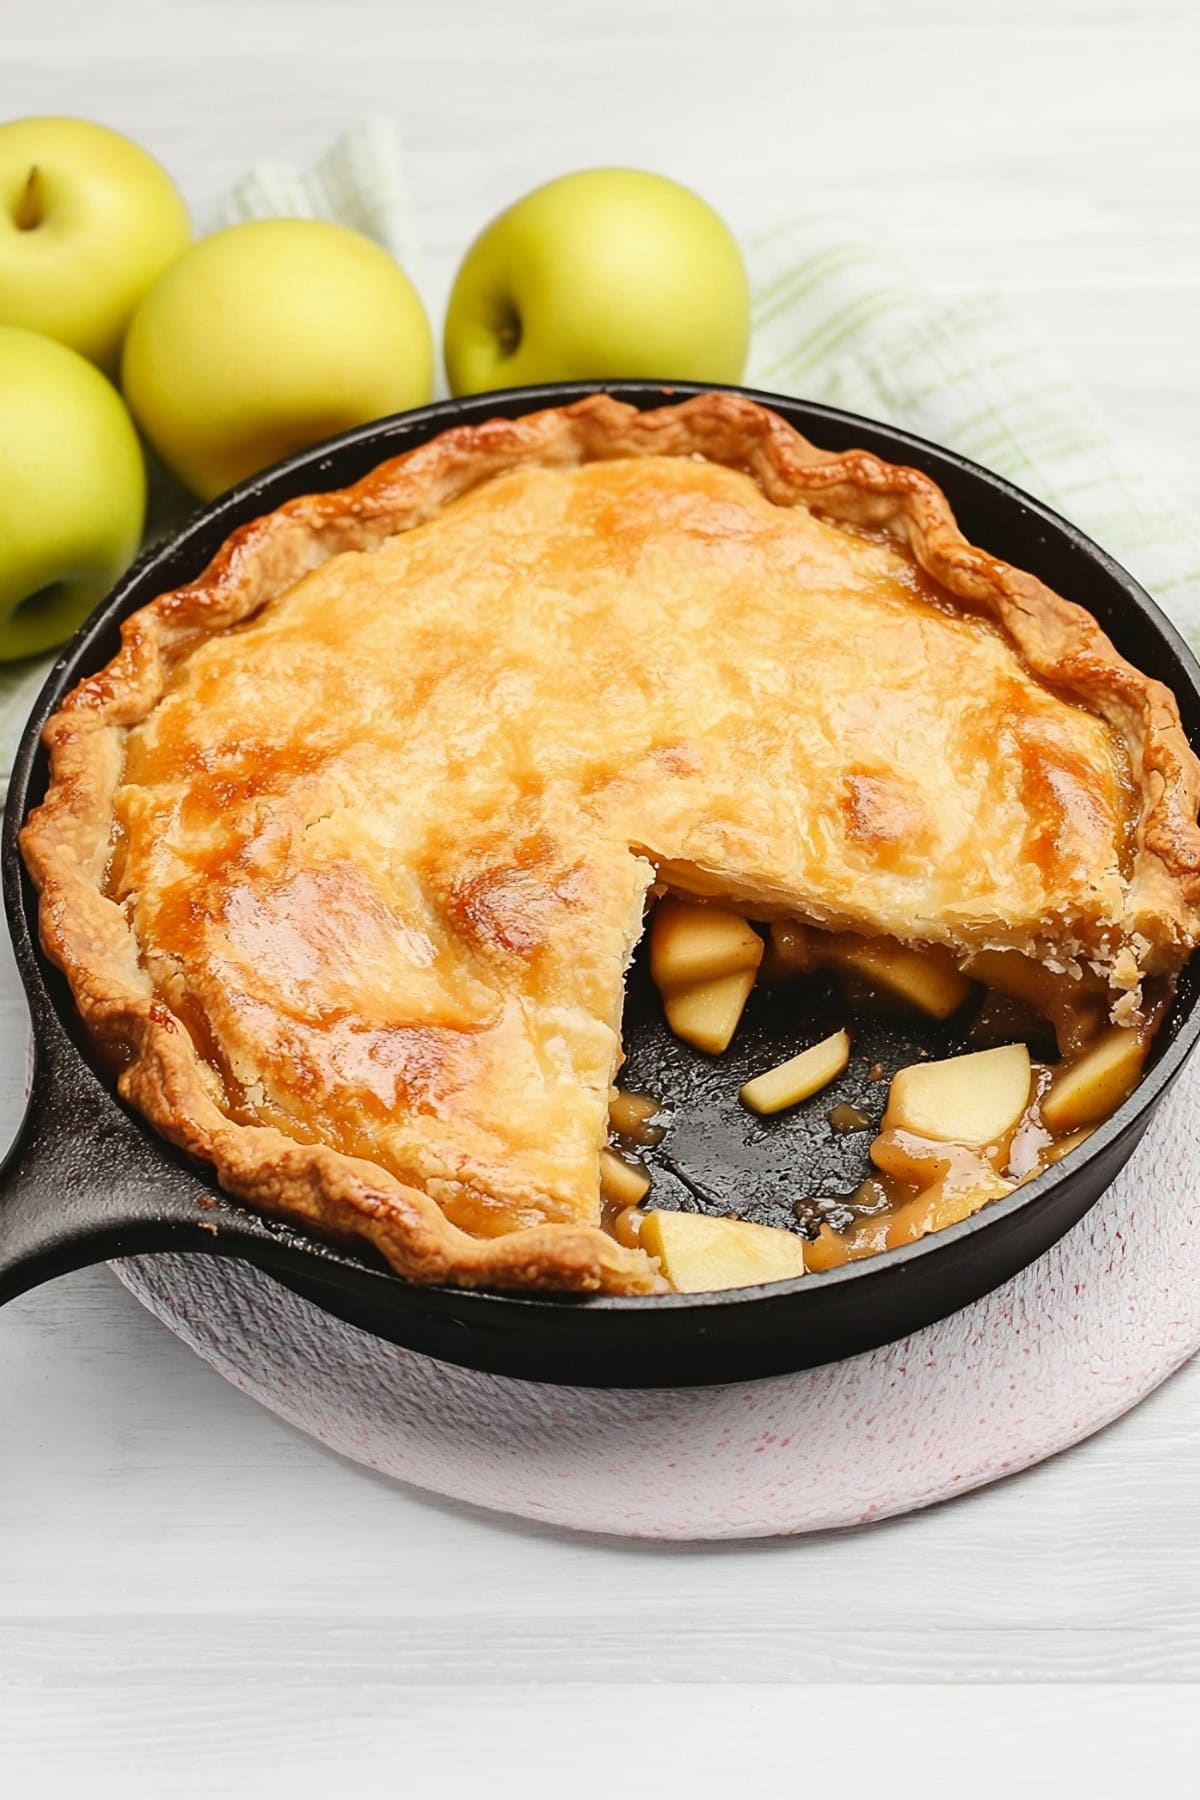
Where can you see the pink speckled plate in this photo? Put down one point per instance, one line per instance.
(1063, 1349)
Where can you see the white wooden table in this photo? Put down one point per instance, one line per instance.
(196, 1601)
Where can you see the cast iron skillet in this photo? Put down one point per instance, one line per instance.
(87, 1180)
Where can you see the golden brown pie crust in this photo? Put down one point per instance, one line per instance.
(69, 840)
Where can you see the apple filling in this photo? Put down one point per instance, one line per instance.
(956, 1133)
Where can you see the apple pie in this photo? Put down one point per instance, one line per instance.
(346, 852)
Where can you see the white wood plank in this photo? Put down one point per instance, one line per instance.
(268, 1731)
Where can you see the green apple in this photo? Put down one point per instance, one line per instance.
(605, 273)
(87, 221)
(72, 491)
(264, 339)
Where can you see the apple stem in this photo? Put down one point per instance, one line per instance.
(31, 207)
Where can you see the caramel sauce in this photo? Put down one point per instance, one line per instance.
(1076, 1006)
(958, 1180)
(625, 1224)
(635, 1119)
(921, 1185)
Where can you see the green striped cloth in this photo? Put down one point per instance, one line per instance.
(835, 319)
(845, 322)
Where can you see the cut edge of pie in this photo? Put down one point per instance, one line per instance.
(67, 839)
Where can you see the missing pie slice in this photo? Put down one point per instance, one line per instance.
(345, 854)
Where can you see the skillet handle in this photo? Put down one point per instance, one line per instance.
(82, 1183)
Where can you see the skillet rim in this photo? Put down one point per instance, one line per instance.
(416, 426)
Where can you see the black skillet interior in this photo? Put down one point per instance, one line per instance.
(87, 1180)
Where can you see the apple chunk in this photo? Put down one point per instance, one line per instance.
(927, 979)
(791, 951)
(799, 1077)
(975, 1099)
(691, 943)
(699, 1255)
(1010, 972)
(629, 1113)
(1090, 1089)
(622, 1183)
(706, 1014)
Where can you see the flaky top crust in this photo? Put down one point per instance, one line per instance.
(68, 840)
